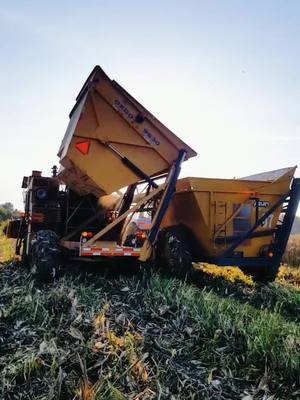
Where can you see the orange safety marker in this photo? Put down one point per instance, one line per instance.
(83, 147)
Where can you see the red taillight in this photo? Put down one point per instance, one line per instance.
(141, 235)
(87, 234)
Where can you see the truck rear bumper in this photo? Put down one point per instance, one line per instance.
(118, 251)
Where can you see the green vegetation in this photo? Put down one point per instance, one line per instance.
(148, 337)
(7, 247)
(7, 211)
(89, 336)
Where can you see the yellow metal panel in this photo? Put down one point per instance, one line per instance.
(105, 114)
(208, 206)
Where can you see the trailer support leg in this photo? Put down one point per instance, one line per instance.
(163, 206)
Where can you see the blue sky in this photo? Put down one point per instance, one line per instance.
(223, 75)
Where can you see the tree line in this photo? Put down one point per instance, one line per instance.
(7, 211)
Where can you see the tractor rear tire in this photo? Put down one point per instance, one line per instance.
(174, 251)
(262, 274)
(45, 255)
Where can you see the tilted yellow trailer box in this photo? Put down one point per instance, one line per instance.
(111, 137)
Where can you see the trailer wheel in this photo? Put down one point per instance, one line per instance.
(262, 274)
(45, 255)
(173, 251)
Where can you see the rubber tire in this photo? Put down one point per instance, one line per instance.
(262, 274)
(173, 251)
(45, 255)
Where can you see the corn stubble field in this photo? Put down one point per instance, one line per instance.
(146, 336)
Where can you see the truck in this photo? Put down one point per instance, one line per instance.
(117, 195)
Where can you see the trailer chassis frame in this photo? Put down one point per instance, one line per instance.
(166, 191)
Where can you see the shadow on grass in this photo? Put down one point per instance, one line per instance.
(226, 282)
(232, 283)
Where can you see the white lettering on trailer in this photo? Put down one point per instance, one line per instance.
(261, 204)
(150, 137)
(124, 110)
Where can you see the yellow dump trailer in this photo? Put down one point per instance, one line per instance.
(112, 141)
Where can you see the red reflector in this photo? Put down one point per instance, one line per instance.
(83, 147)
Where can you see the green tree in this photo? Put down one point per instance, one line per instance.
(7, 211)
(4, 214)
(8, 206)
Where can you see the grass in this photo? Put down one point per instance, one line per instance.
(147, 336)
(7, 247)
